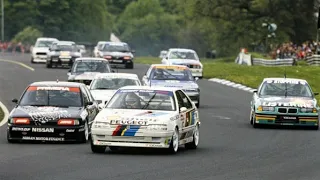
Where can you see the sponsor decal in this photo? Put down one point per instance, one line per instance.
(286, 117)
(42, 138)
(48, 88)
(170, 67)
(287, 104)
(70, 130)
(288, 81)
(49, 130)
(129, 122)
(20, 129)
(174, 118)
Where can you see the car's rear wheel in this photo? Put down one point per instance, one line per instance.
(10, 140)
(97, 149)
(174, 145)
(198, 103)
(195, 141)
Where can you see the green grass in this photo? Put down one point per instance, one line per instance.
(251, 76)
(1, 115)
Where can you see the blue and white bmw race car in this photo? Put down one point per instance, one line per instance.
(177, 76)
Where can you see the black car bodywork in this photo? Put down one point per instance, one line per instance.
(62, 55)
(59, 119)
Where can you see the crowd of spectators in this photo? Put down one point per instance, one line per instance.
(14, 47)
(291, 50)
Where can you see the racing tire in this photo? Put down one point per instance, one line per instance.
(251, 118)
(32, 61)
(84, 136)
(49, 65)
(174, 144)
(97, 149)
(10, 140)
(198, 104)
(129, 66)
(195, 142)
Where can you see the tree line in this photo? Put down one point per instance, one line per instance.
(150, 26)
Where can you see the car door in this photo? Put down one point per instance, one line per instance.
(187, 114)
(88, 108)
(93, 109)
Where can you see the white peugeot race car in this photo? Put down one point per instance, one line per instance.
(41, 49)
(104, 85)
(151, 117)
(187, 57)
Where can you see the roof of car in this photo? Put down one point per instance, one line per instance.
(116, 43)
(181, 49)
(56, 84)
(47, 39)
(66, 42)
(282, 79)
(91, 58)
(150, 88)
(129, 75)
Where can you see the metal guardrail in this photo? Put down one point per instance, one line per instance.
(313, 60)
(272, 62)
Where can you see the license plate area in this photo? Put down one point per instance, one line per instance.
(287, 119)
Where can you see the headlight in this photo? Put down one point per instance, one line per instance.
(265, 108)
(157, 127)
(100, 124)
(308, 110)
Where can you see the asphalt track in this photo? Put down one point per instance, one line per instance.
(229, 147)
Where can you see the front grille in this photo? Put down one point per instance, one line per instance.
(41, 53)
(288, 110)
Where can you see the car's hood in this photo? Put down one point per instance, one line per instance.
(46, 113)
(287, 101)
(117, 54)
(125, 115)
(83, 76)
(175, 84)
(40, 49)
(103, 95)
(184, 62)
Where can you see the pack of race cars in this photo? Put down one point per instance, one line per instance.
(117, 110)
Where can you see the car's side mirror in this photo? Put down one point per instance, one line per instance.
(89, 103)
(182, 109)
(255, 91)
(316, 93)
(50, 49)
(196, 78)
(15, 100)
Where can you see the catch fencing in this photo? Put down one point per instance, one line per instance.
(272, 62)
(313, 60)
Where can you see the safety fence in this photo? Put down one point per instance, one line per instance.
(272, 62)
(313, 60)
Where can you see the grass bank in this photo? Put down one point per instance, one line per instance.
(251, 76)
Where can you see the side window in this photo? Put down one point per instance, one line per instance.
(186, 101)
(180, 100)
(149, 72)
(85, 96)
(89, 95)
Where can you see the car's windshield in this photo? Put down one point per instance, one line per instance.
(43, 43)
(82, 66)
(116, 48)
(52, 96)
(143, 99)
(113, 83)
(183, 55)
(171, 73)
(286, 88)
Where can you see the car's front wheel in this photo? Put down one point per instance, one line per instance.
(85, 134)
(97, 149)
(174, 145)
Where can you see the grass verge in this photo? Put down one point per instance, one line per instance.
(251, 76)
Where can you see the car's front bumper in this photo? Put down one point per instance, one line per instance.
(151, 139)
(290, 120)
(119, 62)
(68, 61)
(27, 133)
(39, 58)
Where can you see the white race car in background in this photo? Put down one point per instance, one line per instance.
(104, 85)
(99, 45)
(187, 57)
(41, 49)
(142, 116)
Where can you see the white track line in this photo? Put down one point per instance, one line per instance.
(232, 84)
(6, 114)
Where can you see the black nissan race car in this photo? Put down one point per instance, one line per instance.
(62, 53)
(52, 111)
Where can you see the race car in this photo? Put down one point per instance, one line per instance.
(178, 76)
(104, 85)
(187, 57)
(85, 69)
(118, 54)
(284, 101)
(151, 117)
(41, 49)
(62, 53)
(52, 111)
(98, 47)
